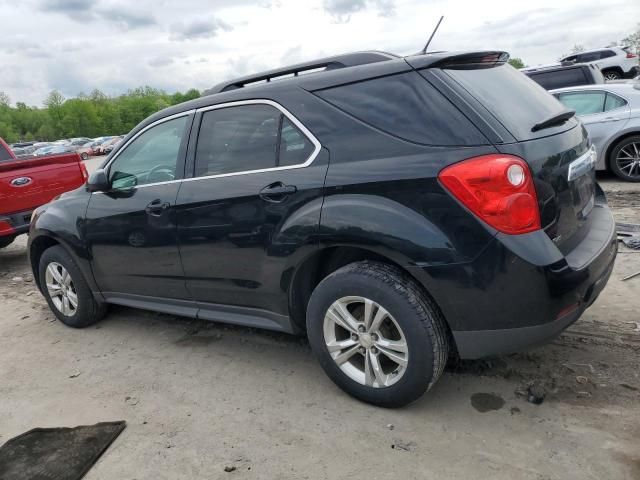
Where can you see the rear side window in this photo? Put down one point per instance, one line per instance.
(248, 138)
(569, 77)
(295, 147)
(607, 54)
(516, 101)
(405, 106)
(584, 103)
(588, 103)
(590, 57)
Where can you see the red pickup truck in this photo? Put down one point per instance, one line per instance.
(27, 183)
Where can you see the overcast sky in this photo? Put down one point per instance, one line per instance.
(78, 45)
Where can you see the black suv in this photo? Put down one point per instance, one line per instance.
(565, 75)
(395, 210)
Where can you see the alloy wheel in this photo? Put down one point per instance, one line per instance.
(628, 160)
(365, 341)
(61, 289)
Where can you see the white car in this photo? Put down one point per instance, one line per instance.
(611, 115)
(614, 62)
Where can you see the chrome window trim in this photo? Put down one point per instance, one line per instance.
(284, 111)
(151, 125)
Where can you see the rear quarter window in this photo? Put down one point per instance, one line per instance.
(405, 106)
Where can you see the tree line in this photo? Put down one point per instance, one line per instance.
(90, 115)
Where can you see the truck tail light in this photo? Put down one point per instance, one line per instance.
(83, 170)
(5, 227)
(498, 189)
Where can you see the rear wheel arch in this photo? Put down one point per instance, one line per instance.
(328, 260)
(617, 70)
(609, 158)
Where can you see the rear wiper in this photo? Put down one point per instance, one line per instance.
(557, 119)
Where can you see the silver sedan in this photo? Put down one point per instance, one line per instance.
(611, 115)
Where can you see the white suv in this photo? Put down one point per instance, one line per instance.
(615, 62)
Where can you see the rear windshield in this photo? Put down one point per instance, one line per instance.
(516, 101)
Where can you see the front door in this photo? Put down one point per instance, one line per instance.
(253, 206)
(131, 229)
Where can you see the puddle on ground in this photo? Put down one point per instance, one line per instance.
(486, 402)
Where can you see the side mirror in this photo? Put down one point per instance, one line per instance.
(98, 181)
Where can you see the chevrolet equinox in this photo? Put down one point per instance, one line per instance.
(395, 210)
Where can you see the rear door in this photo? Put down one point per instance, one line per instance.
(252, 207)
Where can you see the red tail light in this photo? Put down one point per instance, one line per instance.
(83, 169)
(631, 55)
(498, 189)
(5, 227)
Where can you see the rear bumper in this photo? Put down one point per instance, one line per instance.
(521, 291)
(15, 223)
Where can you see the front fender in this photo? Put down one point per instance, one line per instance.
(62, 222)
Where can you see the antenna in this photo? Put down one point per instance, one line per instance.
(424, 50)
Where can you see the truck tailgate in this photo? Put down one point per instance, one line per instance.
(28, 183)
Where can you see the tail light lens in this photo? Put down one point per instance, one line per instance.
(497, 188)
(83, 169)
(631, 55)
(5, 227)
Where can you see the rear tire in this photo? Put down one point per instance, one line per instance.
(6, 241)
(624, 159)
(612, 75)
(66, 290)
(84, 155)
(412, 332)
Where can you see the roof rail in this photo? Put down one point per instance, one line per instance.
(329, 63)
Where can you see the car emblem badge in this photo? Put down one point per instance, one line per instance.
(20, 181)
(583, 164)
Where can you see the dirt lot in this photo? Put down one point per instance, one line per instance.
(199, 397)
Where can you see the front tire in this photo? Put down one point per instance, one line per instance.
(376, 334)
(624, 159)
(66, 291)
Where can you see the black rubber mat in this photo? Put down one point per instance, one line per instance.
(56, 453)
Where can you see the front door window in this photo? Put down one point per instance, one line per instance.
(151, 158)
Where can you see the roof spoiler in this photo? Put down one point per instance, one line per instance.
(329, 63)
(460, 61)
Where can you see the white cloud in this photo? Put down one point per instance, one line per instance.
(113, 45)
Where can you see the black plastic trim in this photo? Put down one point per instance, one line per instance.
(248, 317)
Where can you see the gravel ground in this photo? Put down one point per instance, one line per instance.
(201, 397)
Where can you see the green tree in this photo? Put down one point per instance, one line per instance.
(5, 101)
(516, 62)
(633, 40)
(89, 115)
(577, 48)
